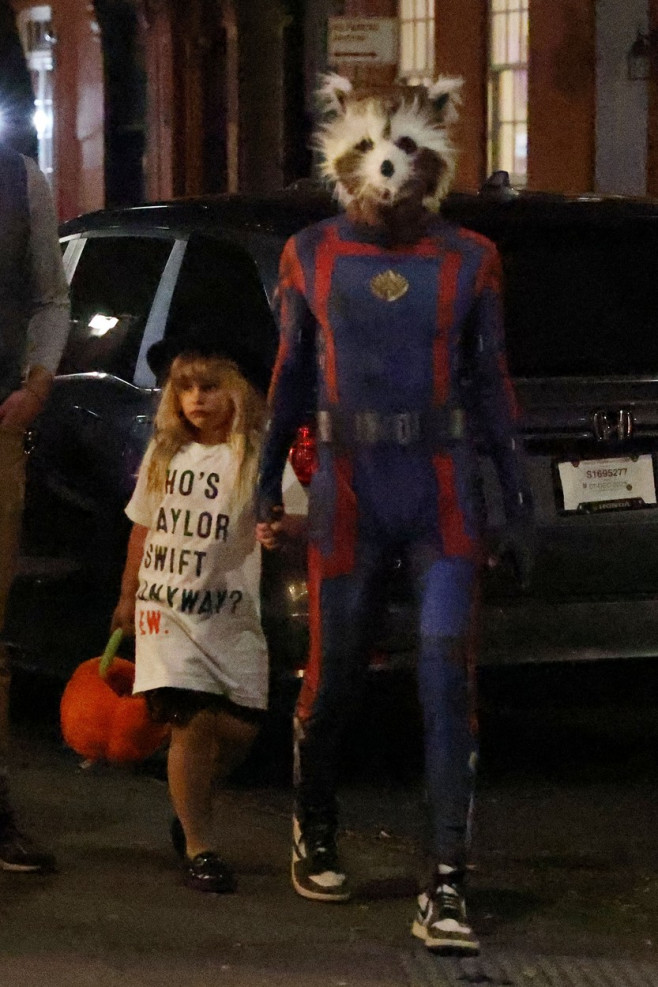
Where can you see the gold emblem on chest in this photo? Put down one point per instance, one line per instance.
(389, 286)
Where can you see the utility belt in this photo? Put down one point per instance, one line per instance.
(434, 427)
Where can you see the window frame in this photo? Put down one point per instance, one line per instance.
(513, 17)
(410, 21)
(38, 41)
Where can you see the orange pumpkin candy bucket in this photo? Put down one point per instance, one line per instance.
(101, 719)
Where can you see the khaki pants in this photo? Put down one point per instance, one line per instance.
(12, 491)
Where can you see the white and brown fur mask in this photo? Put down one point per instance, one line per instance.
(387, 152)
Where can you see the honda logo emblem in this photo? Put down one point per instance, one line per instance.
(613, 426)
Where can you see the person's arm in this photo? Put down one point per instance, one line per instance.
(497, 412)
(493, 398)
(22, 406)
(49, 321)
(140, 509)
(291, 391)
(124, 612)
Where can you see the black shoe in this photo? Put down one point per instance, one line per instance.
(441, 920)
(19, 853)
(178, 838)
(208, 872)
(316, 872)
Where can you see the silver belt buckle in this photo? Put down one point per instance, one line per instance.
(457, 423)
(367, 427)
(324, 426)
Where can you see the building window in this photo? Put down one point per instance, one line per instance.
(508, 89)
(35, 28)
(417, 41)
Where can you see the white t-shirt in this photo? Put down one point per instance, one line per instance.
(197, 616)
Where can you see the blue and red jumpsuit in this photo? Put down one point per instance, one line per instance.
(399, 352)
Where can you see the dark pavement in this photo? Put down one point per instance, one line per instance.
(564, 888)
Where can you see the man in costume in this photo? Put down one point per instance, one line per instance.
(391, 325)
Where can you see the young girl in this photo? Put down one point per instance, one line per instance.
(190, 591)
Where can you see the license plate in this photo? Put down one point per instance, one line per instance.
(616, 484)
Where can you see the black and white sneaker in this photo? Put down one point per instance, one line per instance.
(316, 872)
(441, 920)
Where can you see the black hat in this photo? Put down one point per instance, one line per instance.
(207, 341)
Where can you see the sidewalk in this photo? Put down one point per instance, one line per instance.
(117, 914)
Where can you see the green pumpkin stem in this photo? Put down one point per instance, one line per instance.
(110, 651)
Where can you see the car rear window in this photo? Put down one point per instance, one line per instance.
(582, 300)
(112, 291)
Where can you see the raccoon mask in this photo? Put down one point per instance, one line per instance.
(387, 152)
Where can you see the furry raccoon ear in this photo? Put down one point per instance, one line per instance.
(445, 97)
(332, 93)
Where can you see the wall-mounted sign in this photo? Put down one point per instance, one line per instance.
(368, 40)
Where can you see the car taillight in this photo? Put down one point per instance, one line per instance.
(303, 455)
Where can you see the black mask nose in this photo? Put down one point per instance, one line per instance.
(387, 169)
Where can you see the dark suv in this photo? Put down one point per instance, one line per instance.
(582, 313)
(581, 308)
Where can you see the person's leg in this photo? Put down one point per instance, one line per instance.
(12, 469)
(445, 691)
(205, 751)
(236, 730)
(448, 589)
(17, 851)
(5, 681)
(191, 760)
(6, 815)
(340, 621)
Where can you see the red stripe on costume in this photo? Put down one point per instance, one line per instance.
(455, 539)
(281, 355)
(291, 275)
(324, 268)
(423, 248)
(344, 248)
(311, 680)
(479, 238)
(341, 559)
(490, 274)
(447, 292)
(320, 567)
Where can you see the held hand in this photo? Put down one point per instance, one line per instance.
(124, 616)
(517, 546)
(269, 533)
(289, 528)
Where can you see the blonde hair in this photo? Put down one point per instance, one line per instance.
(173, 431)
